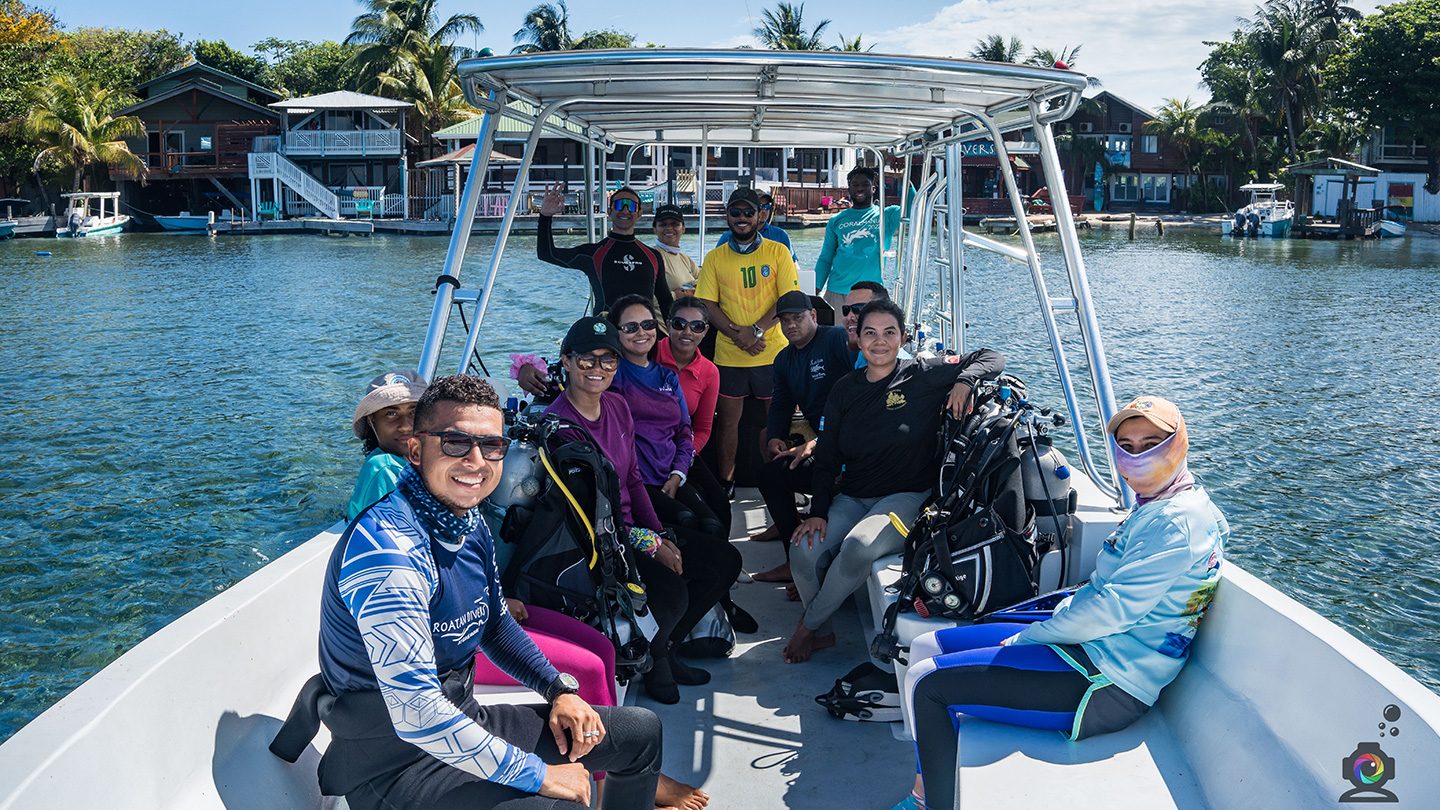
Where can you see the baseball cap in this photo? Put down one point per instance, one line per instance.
(793, 301)
(744, 195)
(387, 390)
(668, 211)
(589, 334)
(1162, 413)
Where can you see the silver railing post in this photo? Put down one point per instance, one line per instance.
(702, 174)
(517, 194)
(955, 231)
(1047, 312)
(1079, 284)
(460, 237)
(590, 192)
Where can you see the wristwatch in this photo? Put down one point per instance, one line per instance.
(565, 684)
(759, 333)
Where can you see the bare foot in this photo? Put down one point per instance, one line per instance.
(673, 795)
(780, 573)
(804, 643)
(770, 535)
(792, 593)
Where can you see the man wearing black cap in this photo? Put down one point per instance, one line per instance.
(804, 372)
(768, 229)
(617, 265)
(681, 271)
(740, 281)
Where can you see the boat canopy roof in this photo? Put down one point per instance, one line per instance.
(1262, 187)
(772, 98)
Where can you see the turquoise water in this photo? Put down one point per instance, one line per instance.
(180, 412)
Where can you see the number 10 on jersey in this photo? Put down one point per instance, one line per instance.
(747, 277)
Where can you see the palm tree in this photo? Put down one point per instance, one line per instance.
(73, 122)
(546, 28)
(784, 29)
(392, 32)
(994, 48)
(853, 45)
(1178, 123)
(1045, 57)
(426, 78)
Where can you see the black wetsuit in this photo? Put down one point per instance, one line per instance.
(617, 265)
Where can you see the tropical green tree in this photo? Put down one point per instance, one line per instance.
(394, 32)
(1047, 57)
(995, 48)
(1177, 122)
(783, 29)
(1390, 72)
(117, 59)
(426, 78)
(74, 126)
(301, 68)
(30, 39)
(547, 28)
(219, 55)
(855, 45)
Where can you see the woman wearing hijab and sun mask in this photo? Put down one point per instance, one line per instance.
(1100, 661)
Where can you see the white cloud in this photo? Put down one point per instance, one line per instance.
(1141, 51)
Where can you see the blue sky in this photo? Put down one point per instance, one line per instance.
(1141, 51)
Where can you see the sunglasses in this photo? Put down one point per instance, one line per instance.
(742, 213)
(588, 362)
(635, 326)
(680, 325)
(457, 444)
(767, 206)
(625, 204)
(852, 309)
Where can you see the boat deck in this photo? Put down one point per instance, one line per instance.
(754, 737)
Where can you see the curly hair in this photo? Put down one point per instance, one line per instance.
(461, 389)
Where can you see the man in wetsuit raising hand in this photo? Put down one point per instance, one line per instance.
(617, 265)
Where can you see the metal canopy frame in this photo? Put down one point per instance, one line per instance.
(908, 106)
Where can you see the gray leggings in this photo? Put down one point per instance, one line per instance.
(858, 532)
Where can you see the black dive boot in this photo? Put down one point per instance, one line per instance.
(660, 682)
(740, 619)
(683, 673)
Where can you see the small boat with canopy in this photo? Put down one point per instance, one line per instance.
(1277, 708)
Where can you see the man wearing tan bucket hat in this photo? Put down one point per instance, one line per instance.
(383, 420)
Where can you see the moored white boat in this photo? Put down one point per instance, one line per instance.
(1264, 216)
(1390, 228)
(1278, 708)
(81, 219)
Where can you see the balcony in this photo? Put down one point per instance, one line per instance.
(348, 143)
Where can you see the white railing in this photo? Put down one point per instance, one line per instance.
(267, 165)
(343, 142)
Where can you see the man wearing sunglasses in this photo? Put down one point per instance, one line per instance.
(768, 229)
(740, 282)
(617, 265)
(851, 251)
(411, 595)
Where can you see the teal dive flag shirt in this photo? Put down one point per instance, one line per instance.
(851, 253)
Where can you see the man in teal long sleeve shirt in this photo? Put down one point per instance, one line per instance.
(851, 252)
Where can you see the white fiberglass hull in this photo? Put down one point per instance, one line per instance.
(183, 719)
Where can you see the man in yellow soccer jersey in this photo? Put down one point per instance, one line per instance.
(740, 281)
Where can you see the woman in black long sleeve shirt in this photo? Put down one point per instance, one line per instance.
(878, 436)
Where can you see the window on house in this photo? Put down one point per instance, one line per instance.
(1149, 144)
(1126, 188)
(1155, 188)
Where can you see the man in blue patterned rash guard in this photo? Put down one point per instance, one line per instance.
(411, 595)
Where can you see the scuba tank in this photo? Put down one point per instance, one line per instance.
(1048, 490)
(521, 477)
